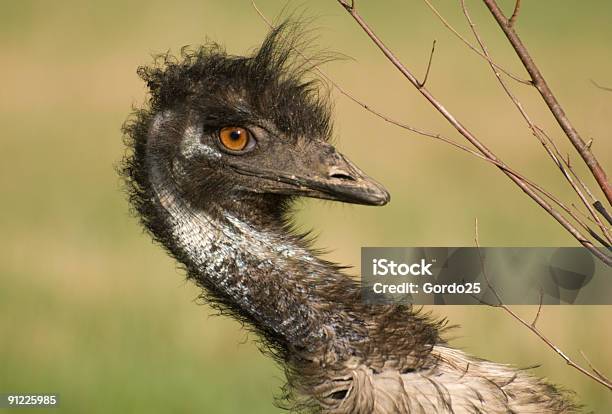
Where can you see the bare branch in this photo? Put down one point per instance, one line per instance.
(593, 234)
(599, 207)
(472, 47)
(599, 239)
(433, 49)
(595, 202)
(517, 7)
(439, 137)
(567, 162)
(598, 376)
(539, 133)
(550, 99)
(471, 138)
(400, 124)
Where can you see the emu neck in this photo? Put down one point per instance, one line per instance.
(263, 276)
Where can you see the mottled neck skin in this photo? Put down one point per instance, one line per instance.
(237, 246)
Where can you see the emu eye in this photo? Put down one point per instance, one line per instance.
(235, 138)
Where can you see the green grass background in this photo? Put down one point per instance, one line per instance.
(91, 310)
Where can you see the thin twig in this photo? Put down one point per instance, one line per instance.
(433, 49)
(598, 376)
(517, 7)
(470, 137)
(599, 239)
(471, 46)
(599, 207)
(591, 206)
(537, 316)
(605, 88)
(550, 99)
(537, 131)
(595, 370)
(567, 162)
(591, 232)
(586, 217)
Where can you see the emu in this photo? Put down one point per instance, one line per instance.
(213, 163)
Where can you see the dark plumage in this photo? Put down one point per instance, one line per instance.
(221, 209)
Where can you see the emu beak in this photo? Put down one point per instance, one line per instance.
(320, 172)
(341, 180)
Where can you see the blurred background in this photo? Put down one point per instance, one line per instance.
(91, 310)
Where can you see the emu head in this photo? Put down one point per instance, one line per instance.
(246, 132)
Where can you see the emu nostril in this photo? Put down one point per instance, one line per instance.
(340, 174)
